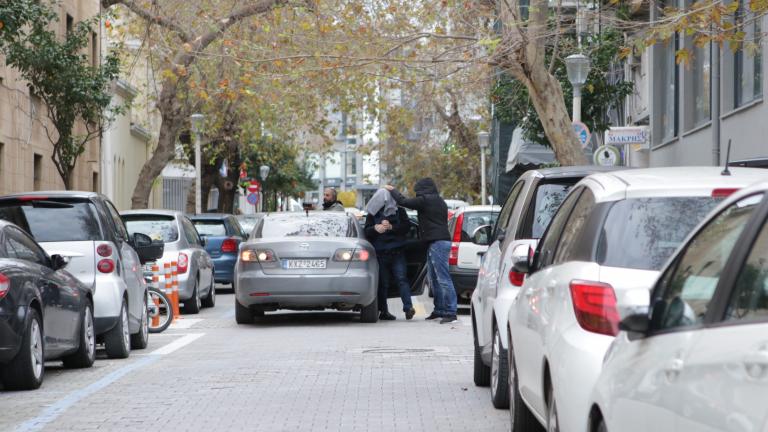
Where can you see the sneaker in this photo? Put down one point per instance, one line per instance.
(432, 316)
(386, 316)
(410, 313)
(449, 319)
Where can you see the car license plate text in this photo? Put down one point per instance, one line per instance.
(304, 264)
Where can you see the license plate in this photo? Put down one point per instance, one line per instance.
(304, 264)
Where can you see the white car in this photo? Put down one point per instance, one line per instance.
(454, 204)
(699, 357)
(525, 215)
(596, 262)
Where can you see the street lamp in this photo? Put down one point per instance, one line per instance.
(196, 121)
(577, 66)
(263, 173)
(482, 141)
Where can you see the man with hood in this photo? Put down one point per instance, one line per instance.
(330, 202)
(385, 227)
(433, 226)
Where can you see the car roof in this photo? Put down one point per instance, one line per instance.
(568, 171)
(210, 216)
(669, 181)
(54, 194)
(311, 214)
(477, 208)
(152, 212)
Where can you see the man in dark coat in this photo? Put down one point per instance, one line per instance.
(433, 226)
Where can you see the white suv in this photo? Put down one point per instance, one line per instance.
(700, 355)
(597, 262)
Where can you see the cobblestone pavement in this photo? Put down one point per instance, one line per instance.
(288, 372)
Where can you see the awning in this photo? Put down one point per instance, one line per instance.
(522, 152)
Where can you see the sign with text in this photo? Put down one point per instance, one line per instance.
(627, 135)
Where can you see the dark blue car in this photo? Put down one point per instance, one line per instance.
(223, 236)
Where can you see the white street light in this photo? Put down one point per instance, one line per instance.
(482, 141)
(577, 67)
(196, 121)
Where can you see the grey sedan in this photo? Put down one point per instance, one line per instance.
(183, 245)
(306, 261)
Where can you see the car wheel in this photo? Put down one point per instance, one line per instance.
(118, 340)
(86, 351)
(210, 300)
(482, 373)
(26, 370)
(370, 313)
(140, 340)
(243, 314)
(552, 422)
(192, 306)
(520, 417)
(499, 391)
(601, 427)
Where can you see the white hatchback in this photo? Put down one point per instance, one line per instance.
(597, 262)
(699, 357)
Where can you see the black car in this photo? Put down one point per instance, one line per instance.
(45, 312)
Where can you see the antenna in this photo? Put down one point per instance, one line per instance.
(725, 171)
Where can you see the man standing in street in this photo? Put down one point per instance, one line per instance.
(433, 225)
(330, 202)
(385, 227)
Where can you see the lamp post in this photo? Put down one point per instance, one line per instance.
(263, 173)
(196, 121)
(577, 66)
(482, 141)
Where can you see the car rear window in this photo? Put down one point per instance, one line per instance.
(547, 200)
(474, 220)
(641, 233)
(157, 227)
(304, 227)
(213, 228)
(50, 220)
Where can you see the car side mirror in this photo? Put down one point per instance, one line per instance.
(203, 241)
(482, 235)
(147, 249)
(502, 235)
(58, 262)
(521, 258)
(636, 325)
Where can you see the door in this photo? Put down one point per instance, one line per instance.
(199, 256)
(132, 270)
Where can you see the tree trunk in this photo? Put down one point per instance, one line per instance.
(190, 207)
(227, 196)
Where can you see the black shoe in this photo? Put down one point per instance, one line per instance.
(386, 316)
(410, 313)
(449, 319)
(432, 316)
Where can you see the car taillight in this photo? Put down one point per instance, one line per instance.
(106, 265)
(260, 255)
(453, 255)
(351, 255)
(595, 306)
(516, 278)
(5, 285)
(182, 263)
(229, 245)
(723, 192)
(104, 250)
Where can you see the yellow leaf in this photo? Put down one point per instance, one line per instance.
(187, 47)
(682, 56)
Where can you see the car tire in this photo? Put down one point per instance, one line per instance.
(370, 313)
(601, 427)
(243, 314)
(553, 424)
(520, 416)
(140, 340)
(482, 373)
(210, 300)
(499, 373)
(26, 370)
(86, 350)
(193, 304)
(117, 341)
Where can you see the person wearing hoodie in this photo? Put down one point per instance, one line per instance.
(385, 227)
(330, 202)
(433, 227)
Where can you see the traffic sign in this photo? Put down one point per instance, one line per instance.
(582, 133)
(255, 186)
(607, 155)
(253, 198)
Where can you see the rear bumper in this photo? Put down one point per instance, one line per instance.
(11, 332)
(107, 297)
(356, 287)
(224, 268)
(464, 281)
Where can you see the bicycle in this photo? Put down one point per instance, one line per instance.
(159, 310)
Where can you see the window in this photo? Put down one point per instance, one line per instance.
(70, 24)
(548, 244)
(700, 70)
(749, 300)
(2, 160)
(95, 182)
(37, 172)
(474, 220)
(120, 230)
(94, 50)
(20, 246)
(298, 225)
(506, 211)
(157, 227)
(665, 90)
(213, 228)
(748, 60)
(190, 232)
(75, 220)
(689, 285)
(547, 200)
(581, 211)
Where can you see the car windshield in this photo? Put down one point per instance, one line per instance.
(51, 220)
(299, 225)
(157, 227)
(211, 228)
(548, 198)
(641, 233)
(247, 225)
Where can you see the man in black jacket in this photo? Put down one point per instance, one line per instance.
(433, 226)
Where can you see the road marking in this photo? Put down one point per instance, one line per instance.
(58, 408)
(184, 323)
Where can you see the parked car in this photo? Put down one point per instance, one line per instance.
(248, 221)
(699, 356)
(313, 261)
(525, 215)
(596, 262)
(86, 228)
(454, 204)
(466, 248)
(223, 235)
(45, 313)
(183, 245)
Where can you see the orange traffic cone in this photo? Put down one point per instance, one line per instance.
(175, 289)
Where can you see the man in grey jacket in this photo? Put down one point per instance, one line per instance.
(330, 202)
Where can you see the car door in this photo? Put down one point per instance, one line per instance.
(653, 388)
(198, 254)
(724, 379)
(415, 252)
(132, 270)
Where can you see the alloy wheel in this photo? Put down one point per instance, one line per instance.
(495, 361)
(511, 384)
(552, 425)
(36, 349)
(126, 330)
(90, 334)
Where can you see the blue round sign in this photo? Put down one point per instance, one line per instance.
(582, 133)
(252, 198)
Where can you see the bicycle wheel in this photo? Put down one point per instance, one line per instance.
(159, 310)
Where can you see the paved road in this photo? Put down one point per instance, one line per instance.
(288, 372)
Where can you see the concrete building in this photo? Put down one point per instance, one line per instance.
(25, 150)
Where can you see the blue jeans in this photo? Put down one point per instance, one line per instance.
(392, 267)
(440, 279)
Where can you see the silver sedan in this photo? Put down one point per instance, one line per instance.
(306, 261)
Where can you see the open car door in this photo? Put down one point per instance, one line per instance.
(415, 259)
